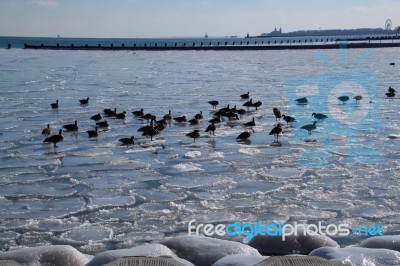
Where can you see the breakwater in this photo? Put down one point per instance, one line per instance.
(216, 46)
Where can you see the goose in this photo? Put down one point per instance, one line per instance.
(391, 90)
(168, 116)
(97, 117)
(277, 114)
(55, 139)
(343, 99)
(211, 128)
(233, 109)
(310, 127)
(84, 101)
(276, 131)
(194, 121)
(180, 119)
(46, 131)
(319, 116)
(148, 117)
(194, 135)
(102, 124)
(241, 112)
(390, 94)
(199, 115)
(243, 136)
(93, 133)
(151, 133)
(120, 115)
(160, 127)
(127, 141)
(358, 98)
(213, 104)
(302, 100)
(251, 123)
(230, 115)
(147, 127)
(54, 105)
(248, 104)
(245, 96)
(138, 112)
(71, 127)
(163, 121)
(256, 104)
(110, 113)
(288, 119)
(216, 120)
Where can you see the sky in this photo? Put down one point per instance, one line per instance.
(188, 18)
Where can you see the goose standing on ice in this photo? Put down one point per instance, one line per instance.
(319, 116)
(194, 135)
(310, 127)
(358, 98)
(71, 127)
(276, 131)
(277, 114)
(288, 119)
(343, 99)
(256, 104)
(211, 128)
(213, 104)
(46, 131)
(55, 139)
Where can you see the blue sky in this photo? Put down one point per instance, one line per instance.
(183, 18)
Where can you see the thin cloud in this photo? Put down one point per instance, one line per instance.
(47, 3)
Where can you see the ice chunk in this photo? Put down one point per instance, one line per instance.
(239, 260)
(388, 242)
(192, 154)
(149, 250)
(359, 256)
(205, 250)
(47, 255)
(300, 244)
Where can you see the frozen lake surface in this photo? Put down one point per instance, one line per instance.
(96, 195)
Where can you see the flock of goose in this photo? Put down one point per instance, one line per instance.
(154, 127)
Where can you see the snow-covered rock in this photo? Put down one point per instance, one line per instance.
(205, 250)
(388, 242)
(47, 255)
(300, 244)
(359, 256)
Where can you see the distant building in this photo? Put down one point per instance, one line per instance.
(334, 32)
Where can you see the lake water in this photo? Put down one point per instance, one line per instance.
(96, 195)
